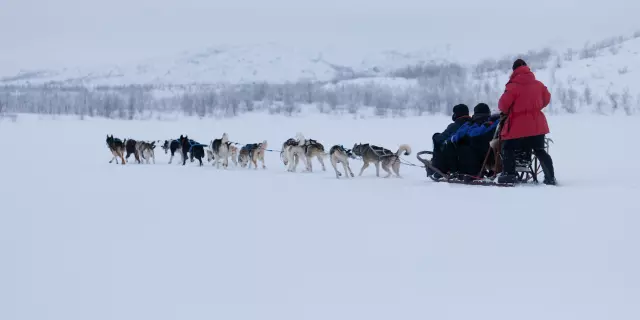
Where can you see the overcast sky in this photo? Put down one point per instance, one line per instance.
(53, 33)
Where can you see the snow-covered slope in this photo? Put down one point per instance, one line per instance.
(268, 62)
(601, 74)
(84, 239)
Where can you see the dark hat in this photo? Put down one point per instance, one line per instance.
(481, 108)
(518, 63)
(460, 110)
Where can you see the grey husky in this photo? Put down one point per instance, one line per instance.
(379, 155)
(146, 150)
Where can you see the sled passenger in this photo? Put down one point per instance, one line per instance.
(472, 140)
(441, 140)
(525, 126)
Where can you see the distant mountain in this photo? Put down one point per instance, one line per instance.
(270, 62)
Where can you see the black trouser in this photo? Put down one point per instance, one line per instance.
(535, 143)
(469, 161)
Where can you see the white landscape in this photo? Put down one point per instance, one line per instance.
(85, 239)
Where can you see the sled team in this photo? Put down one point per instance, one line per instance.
(293, 150)
(478, 146)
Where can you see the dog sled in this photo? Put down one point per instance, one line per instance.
(528, 166)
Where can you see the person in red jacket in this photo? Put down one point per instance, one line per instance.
(526, 126)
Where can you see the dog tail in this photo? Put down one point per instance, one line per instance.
(404, 148)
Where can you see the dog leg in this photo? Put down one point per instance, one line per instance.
(378, 169)
(261, 155)
(396, 168)
(386, 169)
(364, 166)
(350, 172)
(321, 160)
(309, 163)
(122, 161)
(137, 156)
(335, 168)
(345, 165)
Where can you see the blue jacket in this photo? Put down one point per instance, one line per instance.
(471, 129)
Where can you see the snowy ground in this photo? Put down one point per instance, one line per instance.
(84, 239)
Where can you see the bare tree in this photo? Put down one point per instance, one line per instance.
(570, 104)
(613, 98)
(625, 101)
(588, 95)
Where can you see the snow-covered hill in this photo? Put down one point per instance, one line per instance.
(601, 75)
(268, 62)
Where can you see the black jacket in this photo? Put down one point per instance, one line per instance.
(440, 138)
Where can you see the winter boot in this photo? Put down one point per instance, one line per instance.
(507, 178)
(549, 181)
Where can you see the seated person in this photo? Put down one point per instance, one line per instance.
(460, 117)
(471, 141)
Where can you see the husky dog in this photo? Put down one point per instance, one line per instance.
(284, 156)
(292, 152)
(130, 148)
(116, 146)
(338, 154)
(233, 151)
(312, 148)
(146, 150)
(190, 146)
(251, 153)
(173, 146)
(220, 151)
(378, 155)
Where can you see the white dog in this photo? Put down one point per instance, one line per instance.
(292, 152)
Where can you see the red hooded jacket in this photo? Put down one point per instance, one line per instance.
(523, 101)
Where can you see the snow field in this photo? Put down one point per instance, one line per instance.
(84, 239)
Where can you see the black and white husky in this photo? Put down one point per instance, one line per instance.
(219, 151)
(175, 146)
(338, 154)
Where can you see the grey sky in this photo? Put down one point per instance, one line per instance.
(53, 33)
